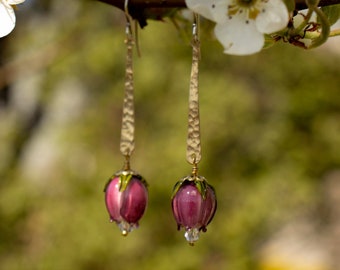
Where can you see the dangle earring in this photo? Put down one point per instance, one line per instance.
(193, 200)
(126, 193)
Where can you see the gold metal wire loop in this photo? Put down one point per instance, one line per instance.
(193, 154)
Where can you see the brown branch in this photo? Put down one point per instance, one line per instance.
(147, 3)
(135, 4)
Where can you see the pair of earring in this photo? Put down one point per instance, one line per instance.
(126, 194)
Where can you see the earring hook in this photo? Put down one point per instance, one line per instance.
(196, 26)
(129, 32)
(128, 29)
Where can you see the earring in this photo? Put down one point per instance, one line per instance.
(193, 200)
(126, 193)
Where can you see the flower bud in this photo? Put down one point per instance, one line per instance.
(193, 205)
(126, 198)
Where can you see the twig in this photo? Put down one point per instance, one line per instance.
(300, 4)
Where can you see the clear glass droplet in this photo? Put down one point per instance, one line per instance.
(126, 227)
(192, 235)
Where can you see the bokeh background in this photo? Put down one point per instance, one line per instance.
(270, 141)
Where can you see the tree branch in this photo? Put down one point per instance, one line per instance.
(300, 4)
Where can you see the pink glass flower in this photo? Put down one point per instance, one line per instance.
(193, 205)
(126, 198)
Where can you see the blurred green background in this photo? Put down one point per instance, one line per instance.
(270, 127)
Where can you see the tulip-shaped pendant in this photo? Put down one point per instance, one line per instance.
(193, 200)
(126, 198)
(126, 194)
(193, 205)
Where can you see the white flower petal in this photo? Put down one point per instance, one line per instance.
(273, 18)
(298, 19)
(7, 22)
(15, 2)
(215, 10)
(239, 37)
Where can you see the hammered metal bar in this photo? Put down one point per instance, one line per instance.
(127, 140)
(193, 154)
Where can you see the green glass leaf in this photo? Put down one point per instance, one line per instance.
(142, 180)
(332, 13)
(124, 181)
(107, 183)
(177, 187)
(201, 187)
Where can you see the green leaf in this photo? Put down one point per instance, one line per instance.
(141, 178)
(332, 13)
(107, 183)
(177, 187)
(124, 181)
(201, 187)
(268, 41)
(290, 4)
(325, 28)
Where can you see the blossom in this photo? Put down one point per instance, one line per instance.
(193, 206)
(241, 24)
(7, 22)
(126, 198)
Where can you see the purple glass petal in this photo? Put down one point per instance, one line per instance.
(113, 199)
(134, 201)
(208, 207)
(186, 206)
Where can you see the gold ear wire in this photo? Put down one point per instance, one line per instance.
(129, 32)
(128, 18)
(196, 26)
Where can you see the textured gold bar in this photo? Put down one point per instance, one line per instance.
(127, 140)
(194, 137)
